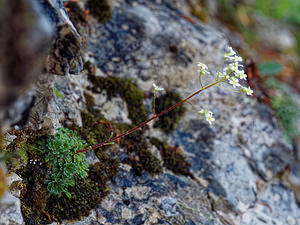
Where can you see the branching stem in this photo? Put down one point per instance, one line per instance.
(147, 121)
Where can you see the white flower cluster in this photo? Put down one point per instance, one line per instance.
(233, 73)
(203, 69)
(208, 115)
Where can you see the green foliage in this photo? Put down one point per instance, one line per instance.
(60, 152)
(57, 93)
(270, 68)
(287, 10)
(127, 91)
(287, 112)
(284, 106)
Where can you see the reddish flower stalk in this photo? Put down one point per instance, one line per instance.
(147, 121)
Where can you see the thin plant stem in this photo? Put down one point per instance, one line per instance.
(154, 103)
(220, 68)
(200, 80)
(193, 106)
(147, 121)
(229, 89)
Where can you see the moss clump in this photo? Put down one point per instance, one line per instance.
(93, 130)
(140, 157)
(106, 170)
(76, 14)
(173, 158)
(127, 91)
(20, 147)
(90, 103)
(86, 194)
(100, 9)
(34, 193)
(168, 122)
(38, 207)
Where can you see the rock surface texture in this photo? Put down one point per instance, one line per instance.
(234, 163)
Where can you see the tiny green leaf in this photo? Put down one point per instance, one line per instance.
(270, 68)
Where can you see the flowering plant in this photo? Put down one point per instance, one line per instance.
(230, 75)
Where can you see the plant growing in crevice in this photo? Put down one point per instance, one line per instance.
(230, 75)
(60, 152)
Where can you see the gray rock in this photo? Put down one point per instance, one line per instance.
(153, 42)
(244, 146)
(10, 212)
(64, 57)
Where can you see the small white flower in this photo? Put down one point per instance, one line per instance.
(203, 69)
(208, 115)
(156, 88)
(202, 66)
(202, 112)
(209, 118)
(241, 74)
(248, 90)
(222, 74)
(233, 66)
(229, 54)
(237, 58)
(234, 82)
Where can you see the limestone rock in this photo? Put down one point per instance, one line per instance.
(10, 211)
(157, 42)
(64, 57)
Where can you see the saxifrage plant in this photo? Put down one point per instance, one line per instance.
(65, 164)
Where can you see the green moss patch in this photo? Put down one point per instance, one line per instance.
(100, 9)
(94, 130)
(173, 158)
(34, 193)
(127, 91)
(18, 149)
(86, 195)
(37, 206)
(140, 157)
(168, 122)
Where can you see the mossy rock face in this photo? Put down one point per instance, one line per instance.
(37, 205)
(100, 9)
(140, 157)
(173, 158)
(20, 147)
(94, 130)
(86, 195)
(168, 122)
(105, 170)
(34, 193)
(127, 91)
